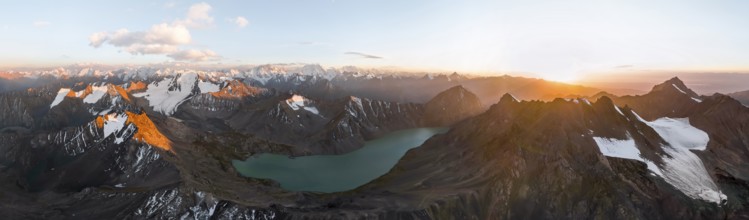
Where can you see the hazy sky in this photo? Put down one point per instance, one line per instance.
(553, 39)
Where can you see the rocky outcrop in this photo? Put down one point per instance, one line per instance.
(14, 112)
(147, 132)
(137, 86)
(363, 119)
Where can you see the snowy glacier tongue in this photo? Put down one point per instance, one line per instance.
(684, 169)
(165, 97)
(681, 168)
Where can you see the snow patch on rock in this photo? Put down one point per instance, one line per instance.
(60, 96)
(297, 102)
(97, 92)
(677, 88)
(618, 110)
(206, 87)
(626, 149)
(113, 123)
(514, 98)
(358, 102)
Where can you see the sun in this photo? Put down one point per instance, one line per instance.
(563, 77)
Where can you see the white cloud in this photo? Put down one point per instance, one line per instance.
(41, 23)
(240, 21)
(194, 55)
(363, 55)
(97, 39)
(151, 49)
(163, 38)
(160, 39)
(197, 16)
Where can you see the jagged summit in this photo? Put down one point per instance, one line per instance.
(450, 106)
(508, 98)
(459, 89)
(98, 99)
(675, 85)
(125, 125)
(237, 89)
(671, 98)
(137, 86)
(601, 94)
(604, 100)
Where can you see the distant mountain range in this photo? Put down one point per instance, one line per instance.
(742, 96)
(148, 143)
(311, 80)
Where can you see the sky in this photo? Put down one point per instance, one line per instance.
(557, 40)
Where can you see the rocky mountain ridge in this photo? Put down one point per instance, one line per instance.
(104, 151)
(315, 81)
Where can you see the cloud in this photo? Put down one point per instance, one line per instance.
(304, 44)
(159, 39)
(312, 43)
(240, 21)
(163, 38)
(195, 55)
(150, 49)
(363, 55)
(97, 39)
(41, 23)
(624, 66)
(197, 16)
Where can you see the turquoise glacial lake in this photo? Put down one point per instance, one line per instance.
(336, 173)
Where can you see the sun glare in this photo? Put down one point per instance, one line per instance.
(561, 77)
